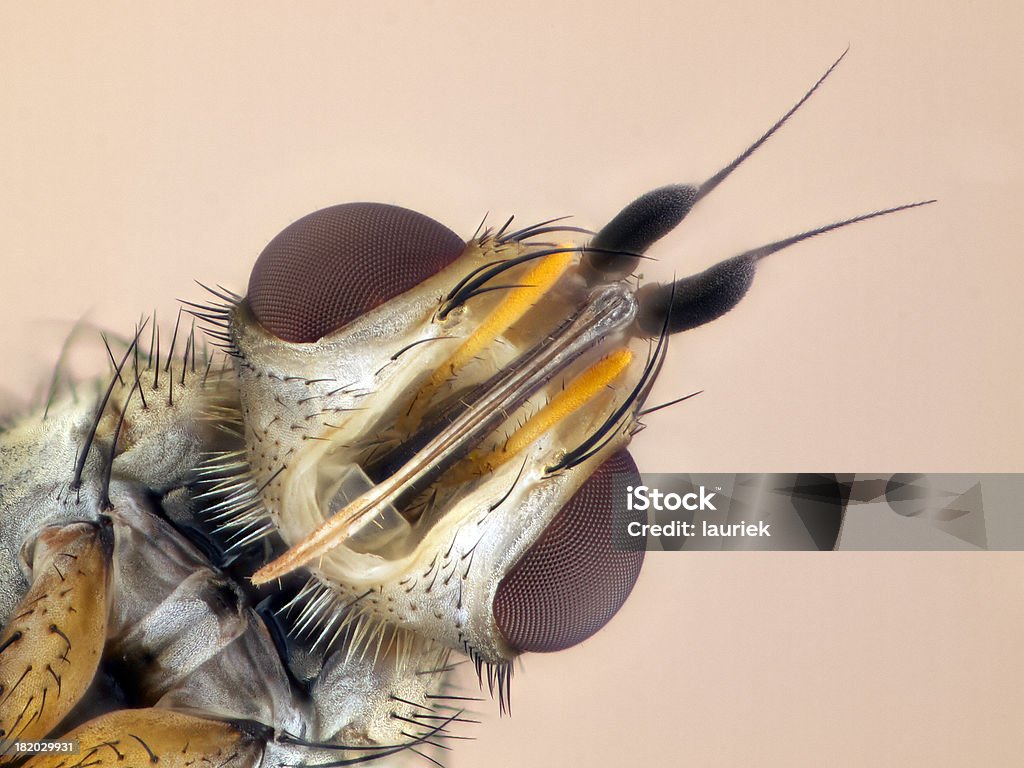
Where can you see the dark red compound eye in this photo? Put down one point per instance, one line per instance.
(332, 266)
(577, 575)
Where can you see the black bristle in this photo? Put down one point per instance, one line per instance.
(156, 368)
(83, 453)
(108, 473)
(152, 336)
(113, 361)
(174, 340)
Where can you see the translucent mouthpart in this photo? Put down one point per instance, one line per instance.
(374, 532)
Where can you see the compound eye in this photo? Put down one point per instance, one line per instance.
(336, 264)
(580, 571)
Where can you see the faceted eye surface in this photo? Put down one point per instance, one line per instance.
(332, 266)
(580, 571)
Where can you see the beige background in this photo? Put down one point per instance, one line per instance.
(143, 149)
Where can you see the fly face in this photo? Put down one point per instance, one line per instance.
(414, 455)
(437, 429)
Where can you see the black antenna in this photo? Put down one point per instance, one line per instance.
(653, 215)
(701, 298)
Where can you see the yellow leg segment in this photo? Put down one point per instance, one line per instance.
(51, 647)
(155, 737)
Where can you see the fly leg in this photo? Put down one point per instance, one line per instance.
(156, 736)
(51, 646)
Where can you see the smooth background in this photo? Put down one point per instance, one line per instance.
(144, 148)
